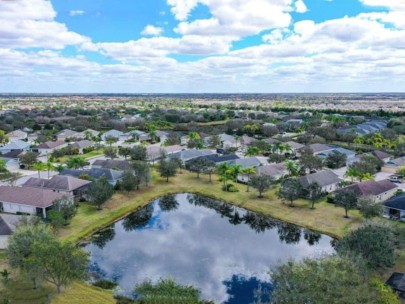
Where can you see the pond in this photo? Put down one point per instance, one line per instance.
(225, 251)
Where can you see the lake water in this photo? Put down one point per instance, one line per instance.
(225, 251)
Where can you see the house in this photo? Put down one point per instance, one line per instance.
(162, 135)
(294, 145)
(321, 149)
(154, 152)
(65, 134)
(395, 208)
(49, 146)
(17, 135)
(67, 185)
(139, 135)
(383, 156)
(378, 191)
(89, 133)
(15, 154)
(116, 164)
(326, 179)
(82, 145)
(276, 171)
(189, 154)
(246, 141)
(112, 176)
(393, 165)
(350, 155)
(27, 200)
(368, 127)
(247, 162)
(17, 145)
(219, 159)
(112, 134)
(8, 224)
(397, 282)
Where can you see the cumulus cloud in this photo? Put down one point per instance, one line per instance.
(151, 30)
(30, 23)
(300, 7)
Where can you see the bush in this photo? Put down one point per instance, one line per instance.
(230, 188)
(105, 284)
(330, 199)
(123, 300)
(88, 150)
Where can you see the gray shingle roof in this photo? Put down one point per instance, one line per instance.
(371, 187)
(51, 144)
(57, 182)
(397, 202)
(272, 170)
(110, 164)
(322, 178)
(83, 144)
(247, 162)
(29, 196)
(96, 173)
(189, 154)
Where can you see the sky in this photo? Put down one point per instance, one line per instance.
(202, 46)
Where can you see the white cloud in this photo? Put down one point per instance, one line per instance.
(151, 30)
(76, 13)
(300, 7)
(30, 23)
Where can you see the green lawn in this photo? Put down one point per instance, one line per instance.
(326, 218)
(65, 159)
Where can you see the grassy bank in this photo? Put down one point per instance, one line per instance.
(326, 218)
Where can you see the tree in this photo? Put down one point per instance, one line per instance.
(39, 166)
(49, 167)
(374, 242)
(99, 192)
(139, 153)
(110, 152)
(29, 158)
(369, 208)
(292, 167)
(214, 141)
(3, 137)
(352, 173)
(141, 172)
(314, 194)
(110, 140)
(128, 181)
(252, 151)
(3, 167)
(261, 183)
(336, 160)
(20, 247)
(62, 212)
(346, 199)
(124, 151)
(326, 280)
(290, 190)
(61, 263)
(167, 168)
(309, 161)
(76, 162)
(172, 139)
(199, 165)
(249, 171)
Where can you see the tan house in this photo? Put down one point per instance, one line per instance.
(379, 191)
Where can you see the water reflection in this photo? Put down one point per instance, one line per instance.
(223, 250)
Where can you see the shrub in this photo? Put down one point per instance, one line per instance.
(230, 188)
(105, 284)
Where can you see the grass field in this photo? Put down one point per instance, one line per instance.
(65, 159)
(326, 218)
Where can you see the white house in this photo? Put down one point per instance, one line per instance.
(49, 146)
(327, 180)
(17, 145)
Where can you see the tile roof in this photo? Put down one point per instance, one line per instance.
(36, 197)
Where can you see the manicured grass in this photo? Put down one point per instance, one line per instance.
(65, 159)
(326, 218)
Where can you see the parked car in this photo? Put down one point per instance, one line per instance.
(396, 179)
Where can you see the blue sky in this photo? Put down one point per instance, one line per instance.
(202, 45)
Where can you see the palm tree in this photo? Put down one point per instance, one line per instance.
(49, 167)
(251, 151)
(236, 169)
(275, 148)
(249, 171)
(39, 166)
(76, 162)
(221, 170)
(352, 173)
(292, 167)
(193, 135)
(152, 135)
